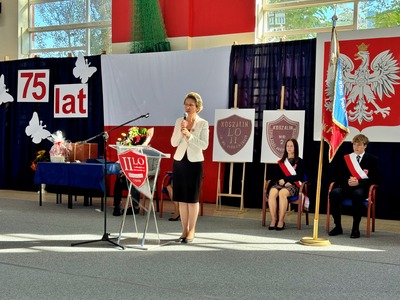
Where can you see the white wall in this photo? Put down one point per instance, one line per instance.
(9, 29)
(13, 23)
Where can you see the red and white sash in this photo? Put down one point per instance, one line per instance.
(354, 166)
(288, 170)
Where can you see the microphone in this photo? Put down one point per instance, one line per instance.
(185, 115)
(145, 116)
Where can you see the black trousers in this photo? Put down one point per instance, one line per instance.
(356, 194)
(121, 185)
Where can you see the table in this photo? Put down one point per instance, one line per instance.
(70, 175)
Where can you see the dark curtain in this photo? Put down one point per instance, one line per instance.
(260, 71)
(17, 150)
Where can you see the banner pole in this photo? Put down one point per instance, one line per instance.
(282, 103)
(315, 241)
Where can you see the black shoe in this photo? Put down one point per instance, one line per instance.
(272, 227)
(117, 212)
(186, 241)
(280, 228)
(130, 212)
(181, 239)
(355, 234)
(174, 219)
(336, 231)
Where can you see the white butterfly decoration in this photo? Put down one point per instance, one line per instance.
(36, 130)
(82, 69)
(4, 96)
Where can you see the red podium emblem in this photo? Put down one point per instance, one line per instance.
(134, 166)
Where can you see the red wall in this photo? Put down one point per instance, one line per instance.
(120, 21)
(193, 18)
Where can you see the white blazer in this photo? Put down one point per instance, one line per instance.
(195, 145)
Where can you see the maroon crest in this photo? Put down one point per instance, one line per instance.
(279, 131)
(233, 133)
(134, 166)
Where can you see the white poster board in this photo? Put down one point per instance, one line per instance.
(278, 127)
(233, 135)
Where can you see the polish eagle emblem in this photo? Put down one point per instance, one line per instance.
(366, 86)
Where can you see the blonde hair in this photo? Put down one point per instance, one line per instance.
(360, 138)
(197, 98)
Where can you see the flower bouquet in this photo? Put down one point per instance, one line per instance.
(40, 156)
(136, 136)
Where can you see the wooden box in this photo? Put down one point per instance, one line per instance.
(83, 152)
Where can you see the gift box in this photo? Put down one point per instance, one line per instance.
(57, 158)
(83, 152)
(61, 147)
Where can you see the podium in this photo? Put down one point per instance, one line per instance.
(147, 188)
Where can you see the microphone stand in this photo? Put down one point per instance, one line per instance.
(106, 235)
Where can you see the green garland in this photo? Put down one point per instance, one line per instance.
(148, 29)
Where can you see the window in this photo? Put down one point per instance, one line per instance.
(281, 20)
(58, 28)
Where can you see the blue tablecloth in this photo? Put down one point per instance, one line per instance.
(79, 175)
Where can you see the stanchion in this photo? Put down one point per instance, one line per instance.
(315, 240)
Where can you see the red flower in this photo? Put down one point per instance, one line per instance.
(136, 139)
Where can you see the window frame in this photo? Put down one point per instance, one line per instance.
(87, 26)
(264, 10)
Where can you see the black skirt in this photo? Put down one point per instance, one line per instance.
(187, 178)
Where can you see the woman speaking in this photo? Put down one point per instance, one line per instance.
(190, 137)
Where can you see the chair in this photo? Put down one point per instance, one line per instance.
(296, 199)
(165, 195)
(164, 192)
(369, 203)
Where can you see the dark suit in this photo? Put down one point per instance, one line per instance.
(356, 193)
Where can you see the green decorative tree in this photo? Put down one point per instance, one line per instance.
(148, 30)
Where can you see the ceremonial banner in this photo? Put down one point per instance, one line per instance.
(335, 126)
